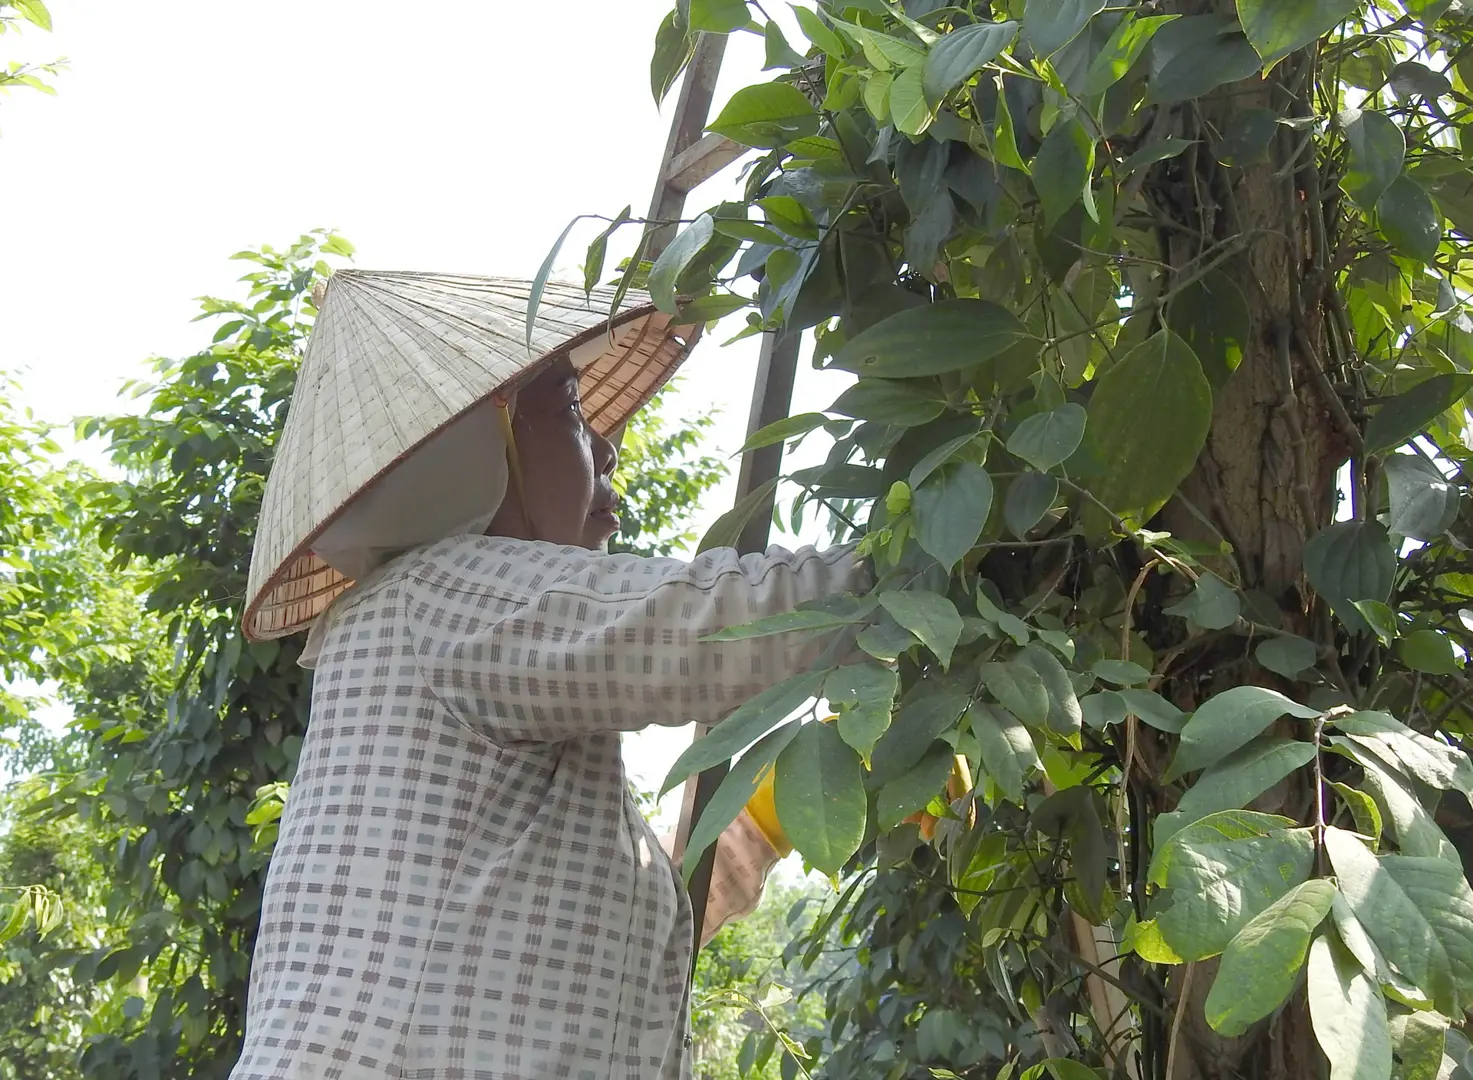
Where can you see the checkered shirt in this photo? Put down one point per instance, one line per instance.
(464, 888)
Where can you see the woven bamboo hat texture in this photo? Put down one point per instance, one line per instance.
(394, 358)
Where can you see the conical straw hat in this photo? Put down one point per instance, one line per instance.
(394, 358)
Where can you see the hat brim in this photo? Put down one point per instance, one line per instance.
(651, 346)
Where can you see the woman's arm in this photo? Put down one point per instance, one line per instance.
(531, 642)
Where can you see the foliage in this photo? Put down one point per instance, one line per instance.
(1159, 450)
(661, 479)
(13, 13)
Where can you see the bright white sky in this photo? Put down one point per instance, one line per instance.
(446, 135)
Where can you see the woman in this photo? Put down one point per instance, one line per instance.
(463, 886)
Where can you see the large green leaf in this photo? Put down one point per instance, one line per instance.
(1227, 721)
(932, 339)
(1278, 27)
(962, 53)
(1124, 47)
(674, 260)
(1429, 760)
(919, 722)
(908, 402)
(1065, 716)
(1243, 776)
(788, 427)
(1424, 503)
(1196, 54)
(727, 529)
(816, 31)
(1145, 462)
(754, 718)
(1211, 315)
(1019, 689)
(786, 622)
(1348, 1014)
(719, 16)
(819, 796)
(1415, 831)
(931, 618)
(1062, 167)
(1377, 152)
(864, 694)
(1261, 965)
(1428, 651)
(1007, 750)
(1286, 655)
(950, 509)
(1210, 605)
(1049, 25)
(909, 111)
(1348, 562)
(1418, 1041)
(733, 794)
(1411, 411)
(1222, 871)
(768, 115)
(1418, 910)
(1030, 496)
(913, 789)
(674, 44)
(1049, 438)
(1409, 219)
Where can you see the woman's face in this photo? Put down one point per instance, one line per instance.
(566, 467)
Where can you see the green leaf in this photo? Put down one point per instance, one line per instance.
(1424, 503)
(816, 31)
(674, 44)
(1221, 872)
(1261, 965)
(1377, 153)
(1065, 717)
(915, 788)
(1049, 438)
(674, 260)
(1019, 689)
(1030, 496)
(1210, 605)
(920, 721)
(1154, 710)
(1248, 138)
(769, 115)
(1211, 315)
(733, 794)
(1348, 562)
(726, 530)
(33, 11)
(719, 16)
(931, 340)
(1362, 807)
(1278, 27)
(593, 262)
(1049, 25)
(931, 618)
(1428, 651)
(864, 694)
(753, 719)
(1412, 826)
(908, 108)
(1409, 219)
(1286, 655)
(1243, 776)
(1145, 462)
(819, 796)
(710, 308)
(1062, 167)
(789, 427)
(1418, 911)
(1430, 760)
(909, 403)
(1194, 55)
(938, 457)
(962, 53)
(539, 283)
(785, 623)
(1129, 39)
(1154, 151)
(950, 508)
(1348, 1014)
(780, 55)
(1007, 750)
(1227, 721)
(1418, 1041)
(1120, 672)
(1410, 412)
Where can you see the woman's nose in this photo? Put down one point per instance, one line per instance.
(605, 455)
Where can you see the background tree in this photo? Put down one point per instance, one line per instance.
(1159, 447)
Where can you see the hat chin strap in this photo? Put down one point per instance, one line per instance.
(514, 461)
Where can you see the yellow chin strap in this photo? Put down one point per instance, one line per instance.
(513, 460)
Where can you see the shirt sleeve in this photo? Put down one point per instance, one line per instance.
(529, 642)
